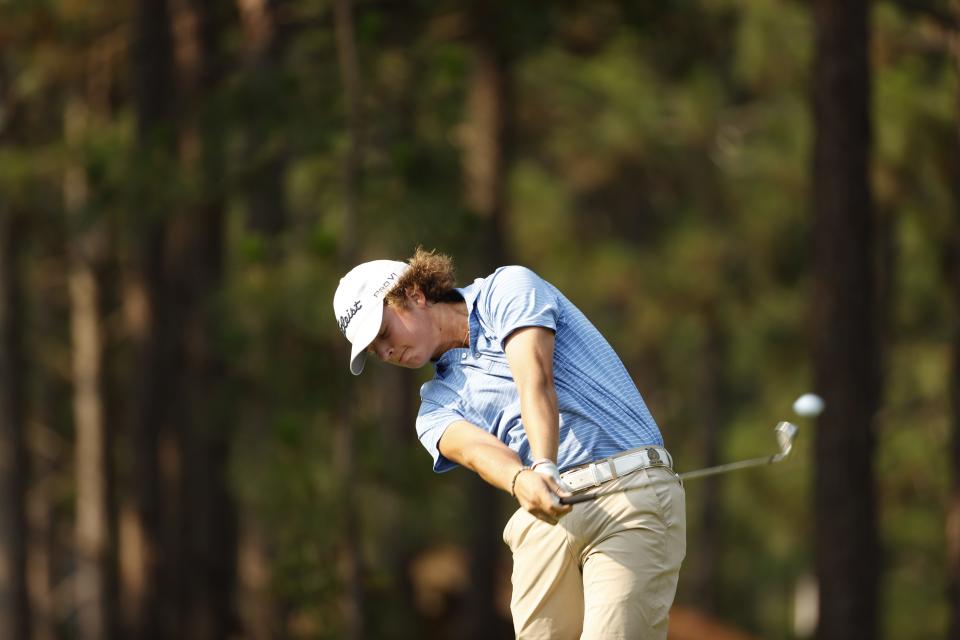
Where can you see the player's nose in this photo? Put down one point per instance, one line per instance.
(384, 351)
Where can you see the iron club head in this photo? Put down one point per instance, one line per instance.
(786, 433)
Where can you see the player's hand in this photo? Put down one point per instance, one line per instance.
(539, 493)
(549, 469)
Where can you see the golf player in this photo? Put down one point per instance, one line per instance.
(530, 396)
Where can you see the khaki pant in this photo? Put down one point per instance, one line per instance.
(608, 570)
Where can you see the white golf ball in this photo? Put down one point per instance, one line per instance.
(808, 405)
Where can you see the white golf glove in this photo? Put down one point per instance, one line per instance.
(549, 468)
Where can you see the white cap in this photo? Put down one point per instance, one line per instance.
(358, 304)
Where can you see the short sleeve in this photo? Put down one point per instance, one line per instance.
(439, 408)
(516, 297)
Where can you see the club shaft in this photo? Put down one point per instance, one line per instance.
(785, 431)
(723, 468)
(688, 475)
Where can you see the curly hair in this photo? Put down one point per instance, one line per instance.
(429, 272)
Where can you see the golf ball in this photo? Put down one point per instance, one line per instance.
(807, 405)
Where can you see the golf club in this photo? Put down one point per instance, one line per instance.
(785, 432)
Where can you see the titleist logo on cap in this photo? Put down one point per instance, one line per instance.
(344, 320)
(348, 316)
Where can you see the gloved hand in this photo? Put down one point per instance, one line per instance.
(549, 468)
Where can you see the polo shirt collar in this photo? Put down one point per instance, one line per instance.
(470, 294)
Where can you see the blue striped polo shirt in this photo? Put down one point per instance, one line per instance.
(601, 411)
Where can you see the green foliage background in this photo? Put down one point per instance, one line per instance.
(660, 176)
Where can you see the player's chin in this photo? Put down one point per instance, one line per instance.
(415, 364)
(411, 361)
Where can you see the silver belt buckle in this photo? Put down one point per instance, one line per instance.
(653, 457)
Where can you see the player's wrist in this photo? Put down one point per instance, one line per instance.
(548, 468)
(542, 461)
(516, 476)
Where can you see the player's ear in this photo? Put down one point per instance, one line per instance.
(416, 296)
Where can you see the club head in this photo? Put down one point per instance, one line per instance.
(786, 433)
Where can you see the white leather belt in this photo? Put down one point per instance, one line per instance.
(596, 473)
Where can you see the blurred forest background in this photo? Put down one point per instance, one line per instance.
(750, 198)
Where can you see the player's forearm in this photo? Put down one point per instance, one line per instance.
(541, 420)
(497, 465)
(472, 447)
(530, 354)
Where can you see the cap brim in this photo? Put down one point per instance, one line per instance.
(366, 333)
(357, 362)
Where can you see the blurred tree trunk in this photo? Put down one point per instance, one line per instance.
(397, 420)
(846, 367)
(15, 614)
(350, 561)
(259, 615)
(47, 453)
(146, 562)
(267, 36)
(93, 531)
(207, 578)
(43, 544)
(713, 415)
(486, 135)
(266, 33)
(187, 522)
(485, 141)
(953, 506)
